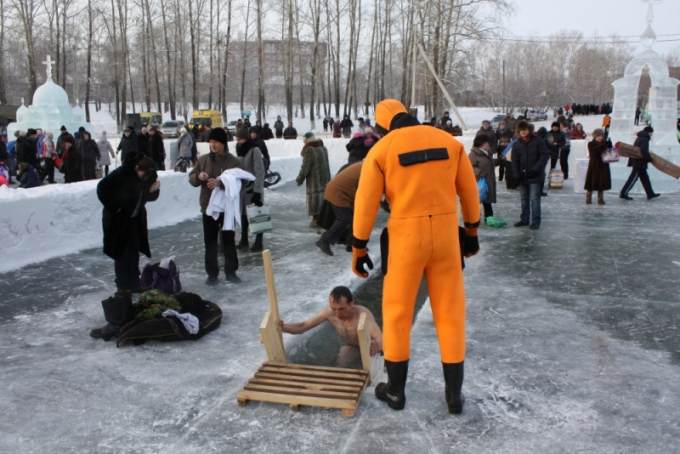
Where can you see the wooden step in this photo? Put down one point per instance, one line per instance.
(313, 386)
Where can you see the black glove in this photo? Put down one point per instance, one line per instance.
(257, 199)
(470, 245)
(532, 173)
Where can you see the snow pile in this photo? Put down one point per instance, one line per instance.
(55, 220)
(51, 221)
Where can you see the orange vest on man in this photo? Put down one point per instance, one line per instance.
(422, 172)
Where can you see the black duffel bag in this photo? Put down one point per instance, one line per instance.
(170, 328)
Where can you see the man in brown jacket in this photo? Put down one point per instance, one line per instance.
(205, 175)
(340, 193)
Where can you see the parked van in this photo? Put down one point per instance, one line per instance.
(151, 118)
(207, 117)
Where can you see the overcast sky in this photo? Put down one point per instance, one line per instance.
(604, 17)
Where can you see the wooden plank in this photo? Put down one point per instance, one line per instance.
(301, 392)
(313, 373)
(309, 386)
(270, 330)
(311, 381)
(309, 367)
(665, 166)
(247, 395)
(364, 343)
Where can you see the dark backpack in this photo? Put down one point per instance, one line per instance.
(163, 276)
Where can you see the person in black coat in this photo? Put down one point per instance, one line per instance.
(143, 142)
(529, 158)
(128, 143)
(89, 155)
(124, 193)
(156, 148)
(556, 141)
(290, 133)
(267, 133)
(26, 150)
(639, 166)
(72, 165)
(256, 137)
(346, 126)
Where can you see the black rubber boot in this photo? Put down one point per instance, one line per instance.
(257, 245)
(392, 392)
(117, 312)
(453, 376)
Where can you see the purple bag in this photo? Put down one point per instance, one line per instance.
(163, 276)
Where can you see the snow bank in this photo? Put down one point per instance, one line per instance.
(55, 220)
(51, 221)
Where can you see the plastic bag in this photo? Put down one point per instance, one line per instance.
(483, 189)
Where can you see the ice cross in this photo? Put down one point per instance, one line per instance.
(48, 66)
(650, 10)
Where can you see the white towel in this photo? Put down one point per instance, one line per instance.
(228, 200)
(190, 321)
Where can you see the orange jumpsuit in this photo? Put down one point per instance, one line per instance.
(421, 170)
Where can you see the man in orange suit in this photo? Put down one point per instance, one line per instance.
(421, 171)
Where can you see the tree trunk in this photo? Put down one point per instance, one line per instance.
(260, 65)
(89, 60)
(226, 63)
(245, 54)
(169, 69)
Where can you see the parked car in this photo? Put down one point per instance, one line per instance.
(231, 127)
(537, 115)
(172, 128)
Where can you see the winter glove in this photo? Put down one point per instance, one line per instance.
(360, 258)
(532, 173)
(257, 199)
(470, 243)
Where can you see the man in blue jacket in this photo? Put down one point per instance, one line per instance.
(529, 157)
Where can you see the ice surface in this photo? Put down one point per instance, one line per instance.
(573, 346)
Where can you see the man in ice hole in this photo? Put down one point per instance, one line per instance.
(344, 315)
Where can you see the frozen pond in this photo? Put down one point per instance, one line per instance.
(573, 346)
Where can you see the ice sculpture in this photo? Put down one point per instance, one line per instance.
(50, 109)
(663, 97)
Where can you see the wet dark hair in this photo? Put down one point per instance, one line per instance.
(342, 292)
(480, 140)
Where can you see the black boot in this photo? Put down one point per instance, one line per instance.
(453, 376)
(117, 312)
(257, 246)
(393, 392)
(243, 245)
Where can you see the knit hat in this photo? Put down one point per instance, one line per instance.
(242, 134)
(219, 135)
(309, 137)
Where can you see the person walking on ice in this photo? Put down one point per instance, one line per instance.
(421, 171)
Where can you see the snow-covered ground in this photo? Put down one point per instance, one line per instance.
(573, 346)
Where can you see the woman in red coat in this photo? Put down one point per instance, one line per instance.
(598, 177)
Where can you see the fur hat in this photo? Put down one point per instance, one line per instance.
(309, 137)
(219, 135)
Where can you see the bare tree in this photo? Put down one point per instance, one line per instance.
(27, 11)
(88, 85)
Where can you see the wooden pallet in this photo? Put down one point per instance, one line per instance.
(314, 386)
